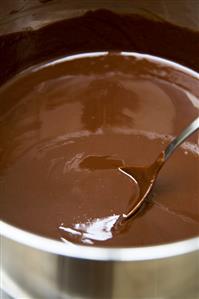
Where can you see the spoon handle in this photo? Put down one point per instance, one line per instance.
(192, 127)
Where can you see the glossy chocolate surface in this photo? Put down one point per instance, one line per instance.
(73, 124)
(67, 125)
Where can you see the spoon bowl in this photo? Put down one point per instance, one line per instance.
(145, 177)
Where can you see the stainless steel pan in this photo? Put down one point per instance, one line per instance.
(39, 268)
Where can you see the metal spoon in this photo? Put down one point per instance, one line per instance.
(145, 177)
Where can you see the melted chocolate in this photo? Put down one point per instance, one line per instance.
(67, 126)
(145, 177)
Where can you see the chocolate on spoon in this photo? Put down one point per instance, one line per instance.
(102, 229)
(146, 177)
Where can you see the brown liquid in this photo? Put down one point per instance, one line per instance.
(145, 178)
(72, 125)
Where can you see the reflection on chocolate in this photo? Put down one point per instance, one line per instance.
(100, 162)
(73, 123)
